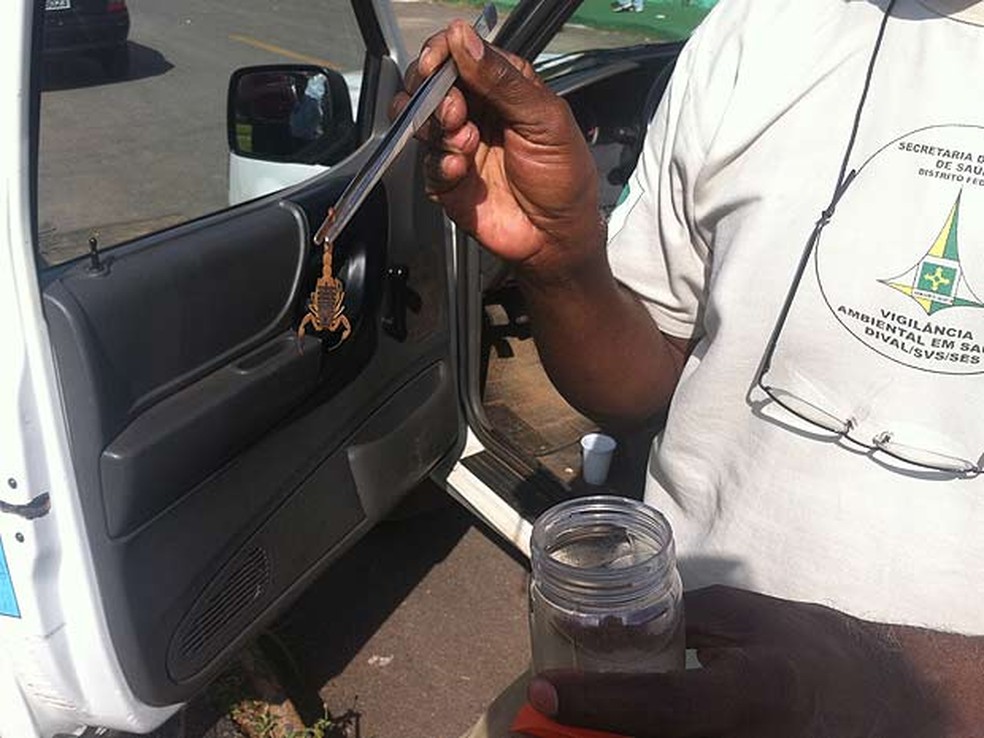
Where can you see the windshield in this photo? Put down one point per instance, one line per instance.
(598, 24)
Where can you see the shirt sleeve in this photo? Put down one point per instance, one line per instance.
(655, 247)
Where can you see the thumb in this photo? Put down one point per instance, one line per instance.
(683, 704)
(497, 80)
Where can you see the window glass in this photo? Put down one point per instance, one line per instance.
(133, 105)
(613, 23)
(596, 24)
(418, 21)
(654, 20)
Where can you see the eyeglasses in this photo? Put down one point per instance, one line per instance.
(883, 442)
(838, 426)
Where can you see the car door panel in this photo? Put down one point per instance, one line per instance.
(282, 556)
(221, 463)
(390, 448)
(176, 443)
(264, 567)
(172, 288)
(158, 413)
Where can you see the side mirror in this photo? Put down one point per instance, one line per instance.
(290, 113)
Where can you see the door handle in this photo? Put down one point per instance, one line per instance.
(395, 320)
(400, 298)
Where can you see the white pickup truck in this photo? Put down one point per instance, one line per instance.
(175, 464)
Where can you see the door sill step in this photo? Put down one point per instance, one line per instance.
(529, 493)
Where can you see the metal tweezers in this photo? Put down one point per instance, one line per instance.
(421, 106)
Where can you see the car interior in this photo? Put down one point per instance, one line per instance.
(532, 434)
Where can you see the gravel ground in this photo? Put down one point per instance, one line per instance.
(411, 634)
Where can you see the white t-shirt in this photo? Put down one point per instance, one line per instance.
(887, 327)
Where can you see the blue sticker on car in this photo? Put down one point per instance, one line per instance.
(8, 598)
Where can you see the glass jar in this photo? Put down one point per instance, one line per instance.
(605, 595)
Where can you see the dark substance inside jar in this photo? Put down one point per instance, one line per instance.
(612, 634)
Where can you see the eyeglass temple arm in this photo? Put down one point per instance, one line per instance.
(844, 178)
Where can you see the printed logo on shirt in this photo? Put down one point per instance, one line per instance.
(901, 264)
(936, 281)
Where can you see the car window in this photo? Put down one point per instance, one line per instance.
(133, 132)
(613, 23)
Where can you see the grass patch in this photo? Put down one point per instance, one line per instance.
(251, 695)
(664, 19)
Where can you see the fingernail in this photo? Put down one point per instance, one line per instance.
(474, 45)
(423, 56)
(543, 697)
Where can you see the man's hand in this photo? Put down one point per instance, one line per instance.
(509, 164)
(772, 669)
(508, 161)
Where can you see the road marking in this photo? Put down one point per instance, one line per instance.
(256, 43)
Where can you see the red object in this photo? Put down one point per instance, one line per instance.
(116, 6)
(532, 723)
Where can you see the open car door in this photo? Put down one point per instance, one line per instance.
(178, 463)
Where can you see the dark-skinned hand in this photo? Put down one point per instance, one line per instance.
(772, 669)
(506, 158)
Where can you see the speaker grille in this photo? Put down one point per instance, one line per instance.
(244, 586)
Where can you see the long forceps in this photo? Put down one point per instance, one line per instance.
(421, 106)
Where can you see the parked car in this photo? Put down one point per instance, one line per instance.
(98, 28)
(176, 464)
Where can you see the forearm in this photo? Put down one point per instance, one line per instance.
(952, 667)
(599, 345)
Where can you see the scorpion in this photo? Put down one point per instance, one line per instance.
(326, 305)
